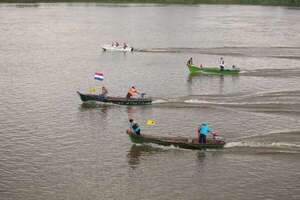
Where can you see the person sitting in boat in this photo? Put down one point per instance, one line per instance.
(125, 45)
(222, 64)
(134, 127)
(132, 92)
(190, 61)
(116, 44)
(203, 131)
(104, 92)
(233, 67)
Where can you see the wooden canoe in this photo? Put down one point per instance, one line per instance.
(114, 100)
(181, 142)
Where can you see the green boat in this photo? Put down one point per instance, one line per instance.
(181, 142)
(212, 70)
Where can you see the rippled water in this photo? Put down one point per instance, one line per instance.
(54, 147)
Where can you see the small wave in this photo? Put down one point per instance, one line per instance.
(292, 72)
(158, 101)
(261, 145)
(259, 103)
(196, 101)
(165, 147)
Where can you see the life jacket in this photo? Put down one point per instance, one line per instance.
(135, 127)
(132, 91)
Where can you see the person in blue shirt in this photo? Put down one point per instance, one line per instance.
(203, 131)
(134, 127)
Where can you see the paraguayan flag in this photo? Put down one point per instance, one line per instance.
(99, 76)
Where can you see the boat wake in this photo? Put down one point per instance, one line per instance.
(275, 52)
(263, 147)
(239, 147)
(286, 73)
(164, 148)
(273, 142)
(268, 102)
(282, 145)
(159, 101)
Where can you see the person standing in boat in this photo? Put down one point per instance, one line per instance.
(222, 64)
(132, 92)
(134, 127)
(190, 61)
(203, 131)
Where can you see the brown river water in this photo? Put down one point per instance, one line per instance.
(54, 147)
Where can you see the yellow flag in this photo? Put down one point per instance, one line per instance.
(92, 90)
(150, 122)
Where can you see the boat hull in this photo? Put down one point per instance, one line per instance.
(111, 48)
(114, 100)
(181, 142)
(212, 70)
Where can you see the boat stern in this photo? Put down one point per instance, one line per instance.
(138, 139)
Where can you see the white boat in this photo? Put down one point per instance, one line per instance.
(114, 48)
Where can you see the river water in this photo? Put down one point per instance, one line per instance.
(54, 147)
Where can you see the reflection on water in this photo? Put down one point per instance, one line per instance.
(92, 105)
(193, 77)
(131, 111)
(137, 151)
(133, 155)
(201, 157)
(219, 83)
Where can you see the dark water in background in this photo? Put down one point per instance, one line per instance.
(52, 147)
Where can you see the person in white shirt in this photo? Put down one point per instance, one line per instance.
(222, 64)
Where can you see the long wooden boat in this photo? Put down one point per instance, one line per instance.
(114, 100)
(181, 142)
(114, 48)
(212, 70)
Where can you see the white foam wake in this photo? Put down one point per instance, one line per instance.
(166, 147)
(159, 101)
(261, 145)
(196, 101)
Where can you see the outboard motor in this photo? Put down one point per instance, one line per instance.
(216, 136)
(143, 95)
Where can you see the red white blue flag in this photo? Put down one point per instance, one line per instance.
(99, 76)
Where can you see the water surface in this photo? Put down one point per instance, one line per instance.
(53, 147)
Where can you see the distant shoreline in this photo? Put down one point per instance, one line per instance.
(294, 3)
